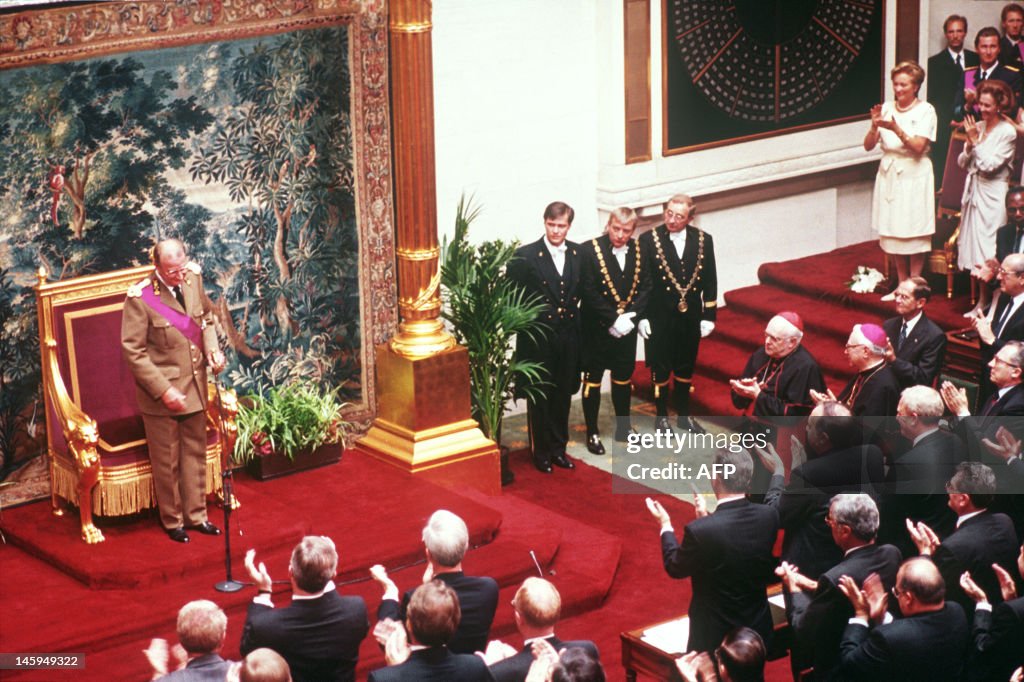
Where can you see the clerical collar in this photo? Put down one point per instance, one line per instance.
(872, 367)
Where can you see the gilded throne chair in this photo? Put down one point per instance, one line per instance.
(96, 442)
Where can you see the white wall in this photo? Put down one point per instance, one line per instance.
(529, 109)
(979, 14)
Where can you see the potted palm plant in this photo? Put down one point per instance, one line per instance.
(292, 427)
(485, 311)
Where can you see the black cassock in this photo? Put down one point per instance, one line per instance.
(875, 392)
(786, 383)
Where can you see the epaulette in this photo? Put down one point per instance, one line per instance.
(1011, 68)
(194, 267)
(971, 68)
(135, 290)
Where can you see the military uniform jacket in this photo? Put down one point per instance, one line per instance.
(534, 270)
(157, 353)
(609, 291)
(660, 258)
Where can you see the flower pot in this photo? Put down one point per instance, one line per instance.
(275, 465)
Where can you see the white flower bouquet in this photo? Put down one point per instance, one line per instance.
(865, 280)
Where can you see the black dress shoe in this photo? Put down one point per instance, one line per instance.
(689, 424)
(661, 424)
(622, 435)
(207, 528)
(542, 465)
(177, 534)
(594, 444)
(563, 462)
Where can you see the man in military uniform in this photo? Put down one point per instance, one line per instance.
(987, 45)
(549, 268)
(681, 261)
(168, 338)
(615, 290)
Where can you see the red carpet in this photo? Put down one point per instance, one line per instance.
(815, 288)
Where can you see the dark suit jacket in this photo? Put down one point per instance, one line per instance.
(318, 637)
(1009, 75)
(915, 488)
(1006, 241)
(599, 287)
(208, 668)
(919, 358)
(979, 542)
(514, 668)
(998, 637)
(944, 78)
(819, 618)
(556, 346)
(1009, 53)
(728, 556)
(435, 664)
(929, 647)
(478, 600)
(803, 505)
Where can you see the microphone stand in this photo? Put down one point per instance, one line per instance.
(229, 584)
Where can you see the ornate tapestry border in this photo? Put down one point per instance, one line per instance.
(84, 31)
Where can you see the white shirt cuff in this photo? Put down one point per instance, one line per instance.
(983, 606)
(667, 528)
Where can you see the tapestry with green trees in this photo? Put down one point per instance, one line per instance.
(242, 148)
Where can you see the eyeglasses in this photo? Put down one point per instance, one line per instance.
(998, 360)
(896, 592)
(851, 346)
(176, 271)
(1004, 271)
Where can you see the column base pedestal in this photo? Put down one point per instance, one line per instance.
(424, 426)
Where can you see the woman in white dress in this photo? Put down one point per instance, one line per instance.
(903, 206)
(987, 158)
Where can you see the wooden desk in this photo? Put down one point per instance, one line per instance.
(639, 656)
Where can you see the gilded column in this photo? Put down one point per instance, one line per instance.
(420, 331)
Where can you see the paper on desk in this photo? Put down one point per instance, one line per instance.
(670, 637)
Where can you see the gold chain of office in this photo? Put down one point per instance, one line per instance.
(672, 276)
(620, 305)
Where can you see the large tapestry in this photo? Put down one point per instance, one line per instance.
(254, 131)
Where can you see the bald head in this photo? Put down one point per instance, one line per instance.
(167, 248)
(919, 578)
(1011, 277)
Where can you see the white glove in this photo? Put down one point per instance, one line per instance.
(644, 329)
(706, 327)
(624, 323)
(615, 333)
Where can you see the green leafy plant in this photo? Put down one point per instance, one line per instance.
(485, 311)
(289, 419)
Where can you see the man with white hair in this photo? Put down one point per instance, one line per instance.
(445, 541)
(778, 377)
(915, 483)
(615, 289)
(817, 610)
(874, 391)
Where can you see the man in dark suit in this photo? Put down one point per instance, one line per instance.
(537, 607)
(549, 269)
(683, 305)
(1012, 20)
(989, 66)
(998, 633)
(320, 631)
(615, 289)
(945, 71)
(445, 541)
(727, 555)
(168, 338)
(928, 643)
(915, 485)
(1007, 322)
(916, 344)
(817, 609)
(839, 463)
(201, 628)
(431, 621)
(982, 538)
(1010, 237)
